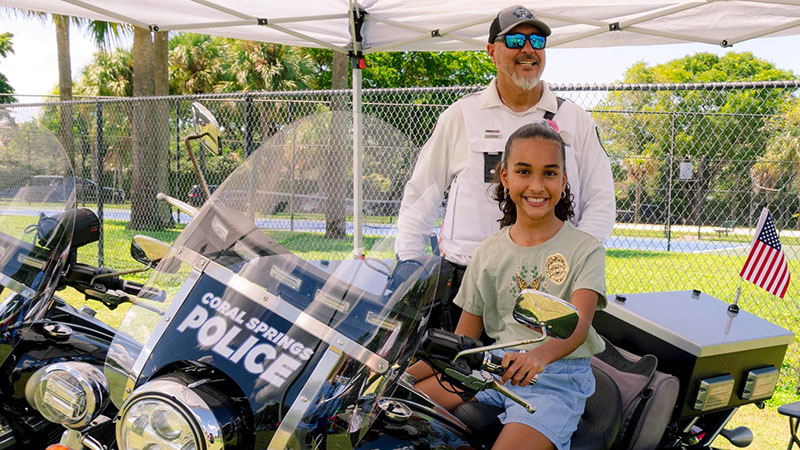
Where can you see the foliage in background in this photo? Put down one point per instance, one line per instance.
(412, 69)
(710, 130)
(781, 160)
(6, 47)
(109, 75)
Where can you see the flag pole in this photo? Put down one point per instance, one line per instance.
(734, 307)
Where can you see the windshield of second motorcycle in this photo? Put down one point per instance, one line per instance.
(36, 190)
(302, 337)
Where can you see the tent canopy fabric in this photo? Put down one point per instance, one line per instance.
(428, 25)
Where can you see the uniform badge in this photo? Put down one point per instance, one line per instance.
(556, 268)
(492, 134)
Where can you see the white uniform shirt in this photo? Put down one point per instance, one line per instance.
(480, 123)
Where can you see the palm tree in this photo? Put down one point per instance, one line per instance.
(144, 153)
(101, 32)
(257, 66)
(196, 63)
(110, 74)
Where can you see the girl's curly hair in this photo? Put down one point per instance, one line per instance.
(564, 208)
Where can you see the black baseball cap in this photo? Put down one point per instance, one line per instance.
(512, 16)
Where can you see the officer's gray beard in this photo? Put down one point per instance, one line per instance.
(524, 83)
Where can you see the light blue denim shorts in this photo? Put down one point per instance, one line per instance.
(559, 397)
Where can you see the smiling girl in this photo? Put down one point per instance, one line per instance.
(536, 248)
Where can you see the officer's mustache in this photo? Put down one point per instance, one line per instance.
(527, 59)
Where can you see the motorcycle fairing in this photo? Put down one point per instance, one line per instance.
(351, 321)
(284, 329)
(36, 190)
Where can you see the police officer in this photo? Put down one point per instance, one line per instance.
(469, 137)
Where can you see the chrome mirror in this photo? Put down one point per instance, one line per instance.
(541, 310)
(206, 126)
(207, 130)
(147, 250)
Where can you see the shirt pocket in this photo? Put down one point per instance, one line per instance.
(484, 156)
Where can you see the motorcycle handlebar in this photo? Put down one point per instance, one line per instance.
(140, 290)
(106, 286)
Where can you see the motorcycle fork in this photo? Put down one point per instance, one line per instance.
(75, 440)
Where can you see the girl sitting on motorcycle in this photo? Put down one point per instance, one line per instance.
(536, 248)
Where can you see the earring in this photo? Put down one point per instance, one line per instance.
(563, 194)
(505, 191)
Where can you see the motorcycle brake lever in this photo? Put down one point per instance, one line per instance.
(510, 394)
(475, 381)
(481, 380)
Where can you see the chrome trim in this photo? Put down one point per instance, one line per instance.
(386, 323)
(285, 278)
(31, 261)
(394, 409)
(434, 410)
(161, 328)
(90, 379)
(91, 443)
(71, 439)
(205, 425)
(502, 345)
(184, 207)
(302, 403)
(16, 286)
(339, 305)
(274, 303)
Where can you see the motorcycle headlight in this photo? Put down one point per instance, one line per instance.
(70, 393)
(167, 414)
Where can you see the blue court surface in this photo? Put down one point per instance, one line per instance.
(664, 245)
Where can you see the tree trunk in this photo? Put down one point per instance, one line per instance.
(144, 182)
(65, 86)
(335, 173)
(161, 129)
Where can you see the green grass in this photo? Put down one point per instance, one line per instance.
(693, 235)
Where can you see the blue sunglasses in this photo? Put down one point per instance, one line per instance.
(517, 40)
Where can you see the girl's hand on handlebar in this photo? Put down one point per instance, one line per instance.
(522, 367)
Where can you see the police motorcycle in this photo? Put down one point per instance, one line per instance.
(252, 346)
(41, 231)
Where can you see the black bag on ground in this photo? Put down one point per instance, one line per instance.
(648, 396)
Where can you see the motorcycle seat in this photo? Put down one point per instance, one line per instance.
(597, 428)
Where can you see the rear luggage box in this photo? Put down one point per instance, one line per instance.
(722, 359)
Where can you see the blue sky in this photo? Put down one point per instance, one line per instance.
(32, 69)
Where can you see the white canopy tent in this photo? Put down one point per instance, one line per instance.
(397, 25)
(406, 25)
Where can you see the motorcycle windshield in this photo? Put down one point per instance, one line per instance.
(36, 191)
(310, 343)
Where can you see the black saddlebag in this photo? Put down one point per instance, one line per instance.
(648, 396)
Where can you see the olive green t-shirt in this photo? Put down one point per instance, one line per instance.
(500, 269)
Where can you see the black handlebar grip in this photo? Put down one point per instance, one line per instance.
(496, 359)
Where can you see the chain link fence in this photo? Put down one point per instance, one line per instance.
(693, 167)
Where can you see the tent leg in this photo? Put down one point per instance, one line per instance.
(358, 244)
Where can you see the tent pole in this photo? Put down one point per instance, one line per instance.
(358, 244)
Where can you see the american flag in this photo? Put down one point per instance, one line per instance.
(766, 264)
